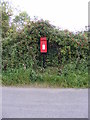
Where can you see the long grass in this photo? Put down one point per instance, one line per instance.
(70, 77)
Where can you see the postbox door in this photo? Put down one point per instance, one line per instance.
(43, 46)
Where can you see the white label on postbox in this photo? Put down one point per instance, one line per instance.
(43, 46)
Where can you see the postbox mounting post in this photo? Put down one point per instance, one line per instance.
(43, 48)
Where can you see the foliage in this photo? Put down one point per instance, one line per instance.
(21, 49)
(49, 77)
(6, 14)
(21, 19)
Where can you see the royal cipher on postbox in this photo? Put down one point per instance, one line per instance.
(43, 45)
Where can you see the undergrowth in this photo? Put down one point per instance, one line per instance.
(70, 76)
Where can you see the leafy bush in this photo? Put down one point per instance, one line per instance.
(21, 55)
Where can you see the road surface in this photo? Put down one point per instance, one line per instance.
(44, 103)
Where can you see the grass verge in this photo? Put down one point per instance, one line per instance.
(49, 77)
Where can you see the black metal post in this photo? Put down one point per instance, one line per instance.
(43, 60)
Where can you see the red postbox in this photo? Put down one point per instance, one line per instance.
(43, 45)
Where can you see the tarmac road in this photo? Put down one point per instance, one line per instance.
(44, 103)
